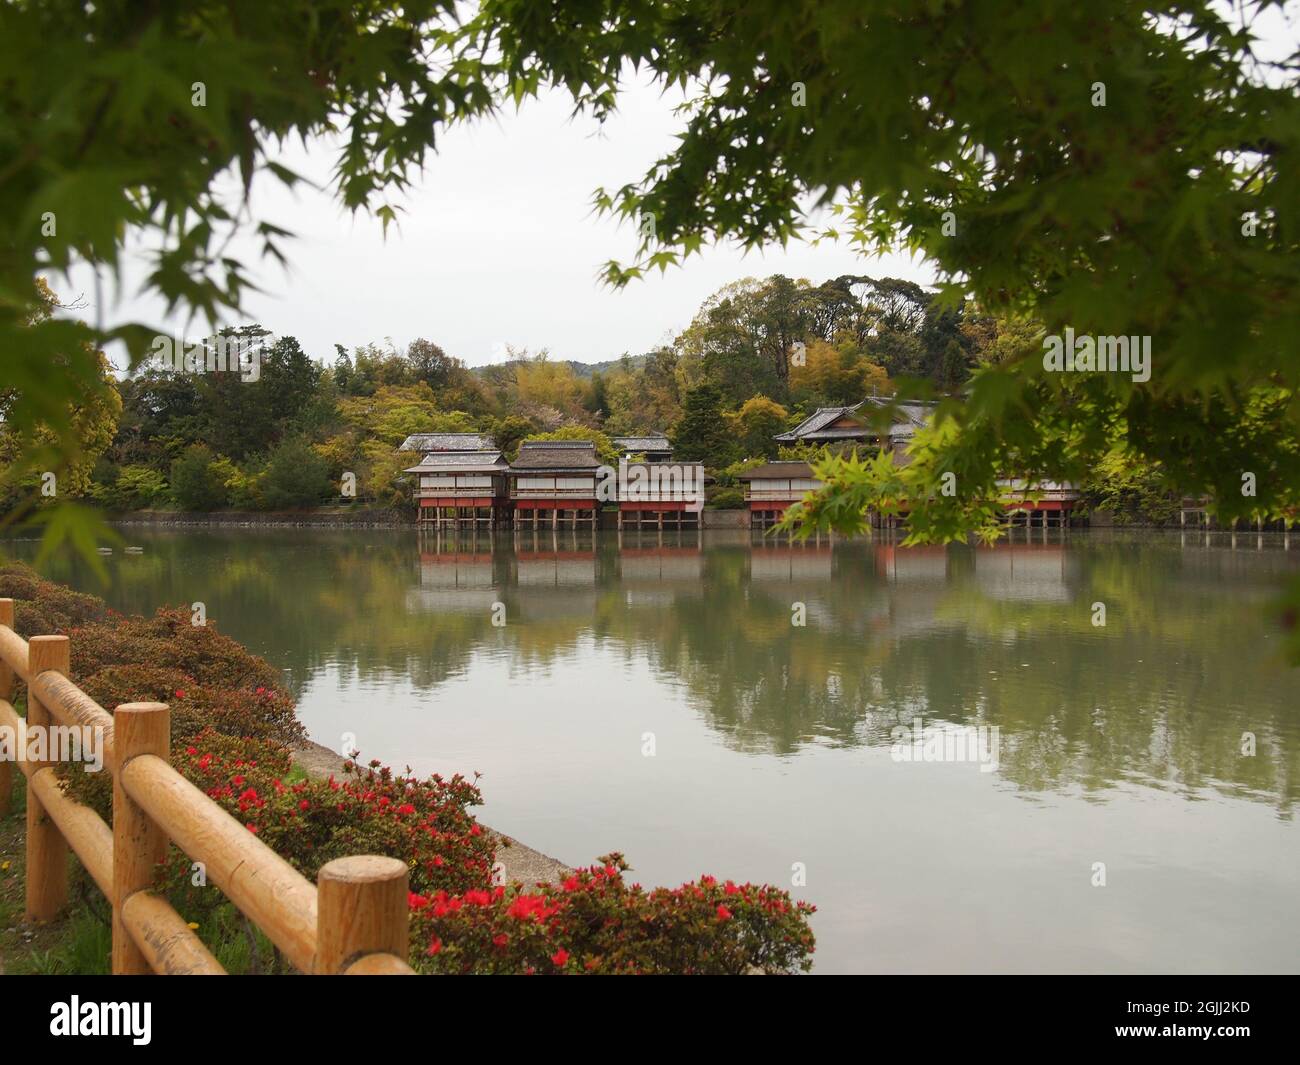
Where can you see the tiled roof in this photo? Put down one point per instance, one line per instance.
(840, 434)
(911, 413)
(454, 461)
(822, 416)
(448, 442)
(649, 442)
(556, 455)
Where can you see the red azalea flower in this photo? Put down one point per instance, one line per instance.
(560, 957)
(501, 940)
(445, 906)
(435, 946)
(180, 694)
(527, 907)
(724, 914)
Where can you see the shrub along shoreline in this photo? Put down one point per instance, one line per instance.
(234, 733)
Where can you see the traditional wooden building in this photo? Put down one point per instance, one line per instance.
(772, 487)
(462, 488)
(1043, 505)
(842, 428)
(660, 493)
(555, 481)
(653, 447)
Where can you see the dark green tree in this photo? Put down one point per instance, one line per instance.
(702, 435)
(596, 399)
(289, 378)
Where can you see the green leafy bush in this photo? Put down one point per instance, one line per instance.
(727, 498)
(1132, 489)
(295, 476)
(196, 483)
(136, 488)
(243, 489)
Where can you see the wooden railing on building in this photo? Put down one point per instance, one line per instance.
(354, 920)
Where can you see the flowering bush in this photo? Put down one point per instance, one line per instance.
(371, 810)
(232, 726)
(310, 821)
(593, 922)
(461, 922)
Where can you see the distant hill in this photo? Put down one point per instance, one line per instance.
(584, 369)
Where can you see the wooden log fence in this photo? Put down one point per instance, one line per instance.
(353, 921)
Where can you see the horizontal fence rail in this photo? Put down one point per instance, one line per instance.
(354, 920)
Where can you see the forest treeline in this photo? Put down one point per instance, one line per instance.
(758, 357)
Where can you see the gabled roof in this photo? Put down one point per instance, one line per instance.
(648, 442)
(559, 455)
(448, 442)
(460, 461)
(818, 425)
(816, 421)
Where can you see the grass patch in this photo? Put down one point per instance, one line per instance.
(81, 942)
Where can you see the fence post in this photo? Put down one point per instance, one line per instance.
(47, 850)
(7, 694)
(138, 844)
(361, 908)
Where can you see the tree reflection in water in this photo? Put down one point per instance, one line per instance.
(1161, 695)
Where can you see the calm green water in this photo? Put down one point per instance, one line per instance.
(772, 741)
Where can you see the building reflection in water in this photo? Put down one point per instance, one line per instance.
(778, 644)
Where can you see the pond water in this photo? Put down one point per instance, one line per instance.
(723, 702)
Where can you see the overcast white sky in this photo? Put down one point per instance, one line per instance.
(498, 246)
